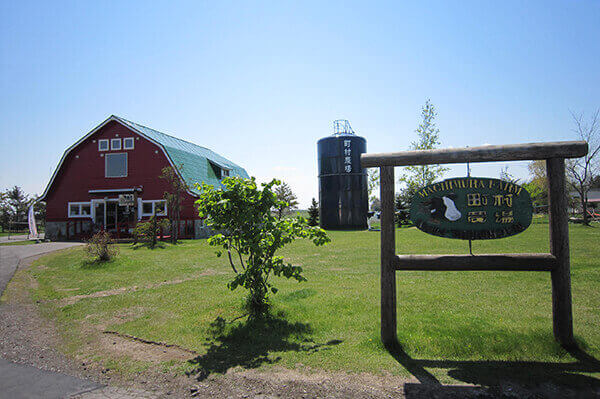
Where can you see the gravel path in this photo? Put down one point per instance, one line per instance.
(29, 367)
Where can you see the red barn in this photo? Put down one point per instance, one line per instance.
(109, 179)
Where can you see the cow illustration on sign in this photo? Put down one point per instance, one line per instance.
(443, 207)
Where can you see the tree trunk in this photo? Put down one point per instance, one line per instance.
(584, 208)
(173, 231)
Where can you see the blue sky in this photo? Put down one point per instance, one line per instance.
(261, 82)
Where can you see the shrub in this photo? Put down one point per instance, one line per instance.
(149, 231)
(101, 247)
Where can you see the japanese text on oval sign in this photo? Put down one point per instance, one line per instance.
(472, 208)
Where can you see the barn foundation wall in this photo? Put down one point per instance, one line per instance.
(200, 230)
(55, 230)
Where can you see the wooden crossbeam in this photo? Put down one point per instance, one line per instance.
(508, 262)
(488, 153)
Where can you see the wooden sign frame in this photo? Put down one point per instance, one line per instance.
(557, 261)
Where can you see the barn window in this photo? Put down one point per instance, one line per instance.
(128, 143)
(80, 209)
(115, 144)
(102, 145)
(116, 165)
(220, 172)
(73, 210)
(147, 207)
(151, 207)
(160, 207)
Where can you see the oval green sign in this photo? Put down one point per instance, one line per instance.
(472, 208)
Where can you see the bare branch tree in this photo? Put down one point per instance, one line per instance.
(174, 198)
(582, 171)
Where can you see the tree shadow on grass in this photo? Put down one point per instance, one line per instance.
(502, 378)
(92, 264)
(250, 344)
(145, 244)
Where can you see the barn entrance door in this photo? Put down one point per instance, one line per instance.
(112, 217)
(99, 210)
(110, 223)
(119, 218)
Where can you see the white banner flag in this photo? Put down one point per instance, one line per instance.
(33, 233)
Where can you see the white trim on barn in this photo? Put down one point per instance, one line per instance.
(111, 156)
(103, 143)
(80, 207)
(115, 144)
(153, 202)
(128, 143)
(115, 190)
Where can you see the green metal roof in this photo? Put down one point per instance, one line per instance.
(192, 161)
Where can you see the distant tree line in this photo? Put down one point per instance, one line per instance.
(14, 206)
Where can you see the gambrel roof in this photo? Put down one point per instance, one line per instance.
(192, 162)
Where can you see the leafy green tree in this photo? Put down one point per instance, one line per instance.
(403, 208)
(39, 210)
(373, 183)
(287, 200)
(428, 138)
(4, 211)
(174, 199)
(18, 203)
(251, 235)
(313, 213)
(537, 186)
(375, 204)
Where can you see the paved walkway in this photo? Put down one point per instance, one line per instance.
(20, 237)
(10, 255)
(20, 381)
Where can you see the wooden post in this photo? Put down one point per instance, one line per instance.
(559, 247)
(388, 254)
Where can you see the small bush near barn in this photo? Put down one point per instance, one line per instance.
(148, 232)
(101, 247)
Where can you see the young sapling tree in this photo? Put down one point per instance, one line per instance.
(250, 234)
(313, 213)
(287, 200)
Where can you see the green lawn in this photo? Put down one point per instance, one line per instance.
(469, 326)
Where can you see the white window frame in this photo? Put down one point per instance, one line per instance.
(106, 165)
(153, 202)
(126, 140)
(103, 141)
(79, 205)
(113, 147)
